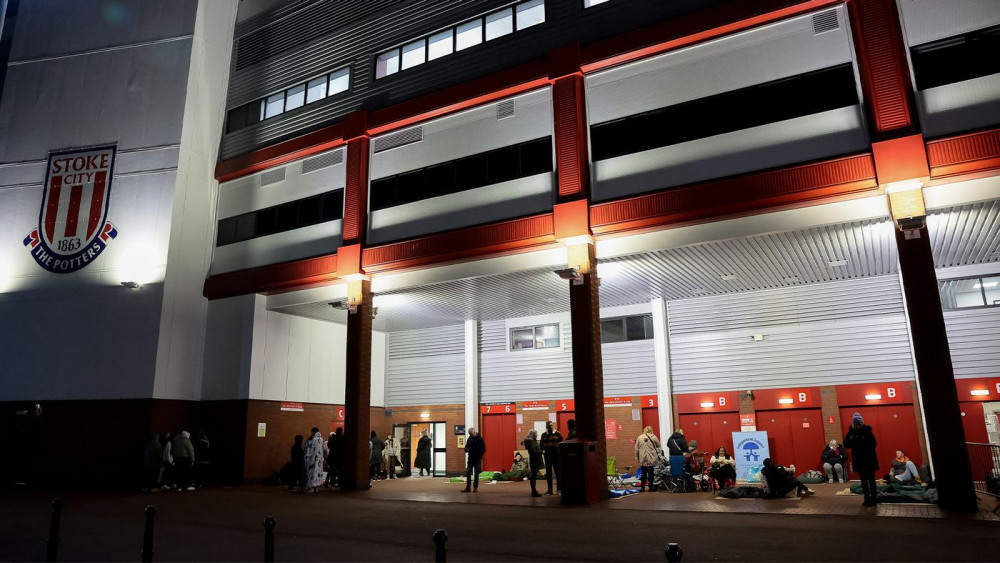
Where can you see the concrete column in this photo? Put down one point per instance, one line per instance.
(661, 357)
(588, 371)
(935, 377)
(471, 373)
(358, 388)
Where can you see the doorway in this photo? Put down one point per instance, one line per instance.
(402, 434)
(795, 437)
(500, 433)
(436, 431)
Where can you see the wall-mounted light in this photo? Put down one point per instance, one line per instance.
(757, 337)
(906, 202)
(707, 405)
(425, 415)
(748, 394)
(572, 274)
(344, 306)
(979, 392)
(132, 284)
(785, 401)
(873, 397)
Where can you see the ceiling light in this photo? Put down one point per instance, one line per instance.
(707, 405)
(785, 401)
(729, 277)
(425, 415)
(979, 392)
(987, 285)
(837, 263)
(873, 397)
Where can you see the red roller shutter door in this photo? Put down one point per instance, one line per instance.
(794, 436)
(562, 417)
(651, 417)
(711, 430)
(500, 433)
(895, 428)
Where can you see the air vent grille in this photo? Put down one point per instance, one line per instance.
(505, 109)
(394, 140)
(322, 161)
(825, 21)
(272, 176)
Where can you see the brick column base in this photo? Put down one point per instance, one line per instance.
(357, 392)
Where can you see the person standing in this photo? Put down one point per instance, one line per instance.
(571, 429)
(834, 460)
(152, 461)
(298, 465)
(861, 441)
(202, 472)
(313, 457)
(550, 446)
(534, 459)
(375, 448)
(475, 447)
(390, 455)
(183, 452)
(647, 454)
(167, 469)
(423, 460)
(335, 458)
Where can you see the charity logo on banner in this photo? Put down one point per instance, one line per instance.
(749, 450)
(73, 227)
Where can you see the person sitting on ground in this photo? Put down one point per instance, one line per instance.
(834, 459)
(723, 467)
(903, 470)
(780, 482)
(520, 465)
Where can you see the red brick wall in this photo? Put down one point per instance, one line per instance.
(828, 403)
(268, 454)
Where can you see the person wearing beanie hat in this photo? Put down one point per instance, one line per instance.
(861, 441)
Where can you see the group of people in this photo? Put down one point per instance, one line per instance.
(175, 462)
(722, 466)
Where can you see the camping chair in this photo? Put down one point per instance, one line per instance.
(615, 480)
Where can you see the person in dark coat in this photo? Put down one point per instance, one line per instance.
(861, 441)
(375, 448)
(423, 460)
(534, 459)
(780, 482)
(335, 457)
(298, 476)
(571, 429)
(677, 443)
(152, 459)
(549, 442)
(475, 446)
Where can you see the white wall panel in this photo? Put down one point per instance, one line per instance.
(425, 367)
(467, 133)
(929, 20)
(228, 348)
(305, 242)
(833, 132)
(960, 106)
(823, 334)
(759, 55)
(974, 340)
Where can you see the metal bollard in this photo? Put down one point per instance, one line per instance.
(440, 538)
(673, 552)
(269, 539)
(52, 544)
(147, 535)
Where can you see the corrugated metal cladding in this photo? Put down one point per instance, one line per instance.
(826, 334)
(629, 368)
(425, 367)
(974, 340)
(356, 44)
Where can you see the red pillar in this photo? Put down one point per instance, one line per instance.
(357, 391)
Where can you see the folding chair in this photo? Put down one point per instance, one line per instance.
(615, 480)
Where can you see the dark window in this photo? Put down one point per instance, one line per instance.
(796, 96)
(958, 58)
(281, 218)
(498, 165)
(621, 329)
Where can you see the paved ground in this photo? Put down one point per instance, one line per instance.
(395, 520)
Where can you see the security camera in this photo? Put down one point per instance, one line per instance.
(344, 306)
(572, 274)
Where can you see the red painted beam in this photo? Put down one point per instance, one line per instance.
(483, 240)
(740, 194)
(964, 154)
(275, 155)
(273, 277)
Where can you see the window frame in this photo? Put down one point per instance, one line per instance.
(262, 101)
(623, 320)
(535, 337)
(982, 291)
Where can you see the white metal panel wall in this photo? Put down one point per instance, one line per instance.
(764, 54)
(964, 105)
(471, 132)
(823, 334)
(629, 368)
(426, 367)
(974, 340)
(303, 360)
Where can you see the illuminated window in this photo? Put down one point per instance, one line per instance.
(970, 292)
(440, 44)
(469, 34)
(295, 97)
(316, 89)
(290, 99)
(274, 105)
(499, 24)
(414, 54)
(340, 81)
(590, 3)
(387, 64)
(530, 13)
(535, 337)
